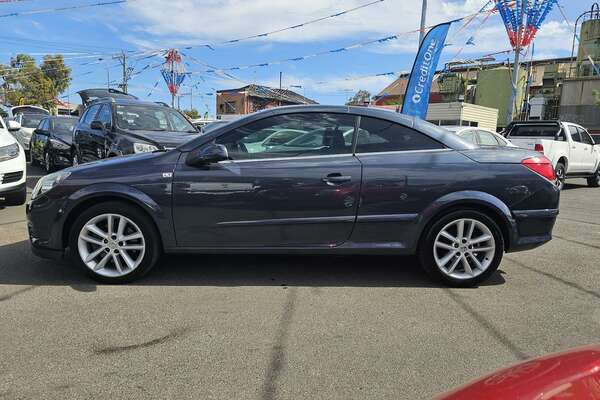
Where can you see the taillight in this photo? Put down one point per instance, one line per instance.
(539, 147)
(541, 166)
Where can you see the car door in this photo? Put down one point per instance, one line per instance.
(100, 136)
(83, 135)
(589, 161)
(272, 196)
(404, 171)
(39, 139)
(577, 153)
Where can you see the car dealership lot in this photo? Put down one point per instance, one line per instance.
(289, 327)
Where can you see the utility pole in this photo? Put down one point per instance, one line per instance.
(123, 61)
(173, 78)
(423, 21)
(191, 98)
(280, 96)
(515, 77)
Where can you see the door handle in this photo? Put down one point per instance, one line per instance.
(336, 179)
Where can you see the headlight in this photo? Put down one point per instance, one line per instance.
(48, 182)
(9, 152)
(59, 145)
(143, 148)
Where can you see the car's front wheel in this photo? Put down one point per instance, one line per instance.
(114, 242)
(462, 248)
(48, 162)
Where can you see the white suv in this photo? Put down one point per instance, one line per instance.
(13, 188)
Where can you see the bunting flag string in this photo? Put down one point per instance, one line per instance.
(332, 51)
(66, 8)
(523, 18)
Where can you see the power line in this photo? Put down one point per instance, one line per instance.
(66, 8)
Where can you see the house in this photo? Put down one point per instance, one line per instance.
(252, 98)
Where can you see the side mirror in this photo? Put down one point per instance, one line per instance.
(97, 125)
(40, 132)
(13, 126)
(209, 154)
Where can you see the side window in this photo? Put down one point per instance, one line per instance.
(585, 137)
(487, 139)
(105, 114)
(89, 115)
(377, 135)
(291, 135)
(574, 133)
(470, 137)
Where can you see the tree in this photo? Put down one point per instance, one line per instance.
(26, 83)
(55, 69)
(193, 113)
(360, 98)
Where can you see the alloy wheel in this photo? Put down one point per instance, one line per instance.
(560, 176)
(464, 248)
(111, 245)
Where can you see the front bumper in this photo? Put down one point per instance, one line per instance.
(531, 229)
(13, 196)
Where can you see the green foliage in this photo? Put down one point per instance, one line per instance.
(360, 98)
(193, 113)
(26, 83)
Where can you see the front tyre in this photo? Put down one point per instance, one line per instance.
(114, 242)
(462, 249)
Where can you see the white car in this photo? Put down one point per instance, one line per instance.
(29, 122)
(13, 188)
(569, 146)
(480, 136)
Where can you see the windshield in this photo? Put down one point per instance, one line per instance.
(31, 120)
(150, 118)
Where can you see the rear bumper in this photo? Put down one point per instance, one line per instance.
(531, 229)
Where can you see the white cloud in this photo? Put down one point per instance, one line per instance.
(218, 20)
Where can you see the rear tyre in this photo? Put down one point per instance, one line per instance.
(462, 249)
(114, 242)
(561, 174)
(594, 181)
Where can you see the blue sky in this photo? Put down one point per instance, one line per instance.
(86, 34)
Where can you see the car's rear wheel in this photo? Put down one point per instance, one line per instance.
(594, 181)
(114, 242)
(561, 175)
(462, 249)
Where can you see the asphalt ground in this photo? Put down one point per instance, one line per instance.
(289, 327)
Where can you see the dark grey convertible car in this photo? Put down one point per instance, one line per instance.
(338, 180)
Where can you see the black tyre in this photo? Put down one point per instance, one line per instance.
(114, 242)
(462, 248)
(561, 174)
(594, 181)
(75, 159)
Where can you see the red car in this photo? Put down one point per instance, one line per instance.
(573, 375)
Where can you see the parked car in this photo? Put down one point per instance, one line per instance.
(212, 125)
(480, 136)
(573, 374)
(112, 127)
(13, 189)
(400, 186)
(51, 143)
(28, 124)
(569, 146)
(88, 96)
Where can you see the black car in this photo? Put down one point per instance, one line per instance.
(365, 181)
(112, 127)
(51, 141)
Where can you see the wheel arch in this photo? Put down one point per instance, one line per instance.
(469, 200)
(93, 195)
